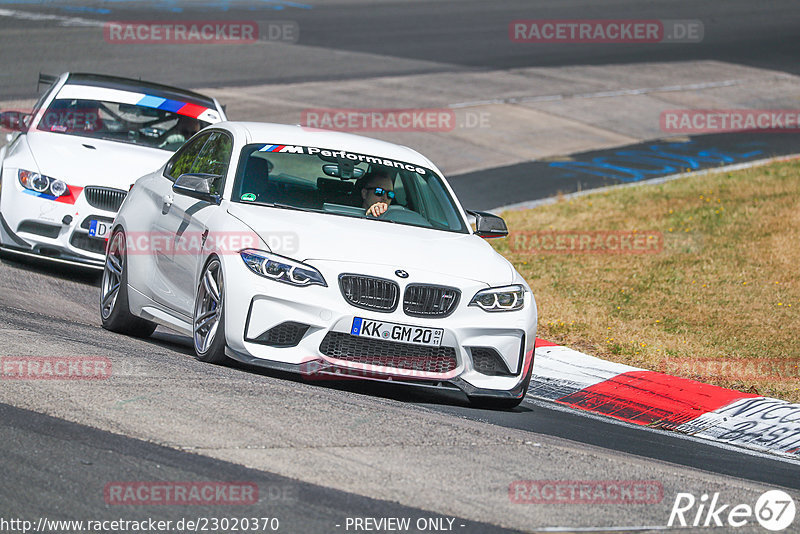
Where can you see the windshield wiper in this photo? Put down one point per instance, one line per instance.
(312, 210)
(287, 206)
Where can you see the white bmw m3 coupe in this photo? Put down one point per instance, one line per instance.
(321, 253)
(73, 157)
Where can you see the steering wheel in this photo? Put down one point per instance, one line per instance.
(404, 215)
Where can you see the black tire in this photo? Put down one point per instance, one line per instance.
(210, 306)
(115, 312)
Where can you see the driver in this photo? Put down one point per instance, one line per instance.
(377, 191)
(185, 128)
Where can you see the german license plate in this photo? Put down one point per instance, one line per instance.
(401, 333)
(98, 228)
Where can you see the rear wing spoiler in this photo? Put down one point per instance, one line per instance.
(47, 79)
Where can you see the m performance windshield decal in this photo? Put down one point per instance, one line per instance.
(343, 154)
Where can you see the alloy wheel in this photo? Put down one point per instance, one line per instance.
(208, 307)
(112, 274)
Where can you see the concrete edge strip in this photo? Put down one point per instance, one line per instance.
(657, 400)
(529, 204)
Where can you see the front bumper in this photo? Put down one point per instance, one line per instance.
(33, 225)
(322, 370)
(256, 306)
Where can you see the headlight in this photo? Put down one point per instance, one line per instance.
(39, 183)
(281, 269)
(498, 299)
(42, 184)
(58, 188)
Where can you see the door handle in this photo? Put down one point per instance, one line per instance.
(167, 199)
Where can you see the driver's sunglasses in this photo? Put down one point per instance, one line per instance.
(379, 192)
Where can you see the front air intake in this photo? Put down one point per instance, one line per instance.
(380, 353)
(286, 334)
(104, 198)
(369, 293)
(422, 300)
(488, 361)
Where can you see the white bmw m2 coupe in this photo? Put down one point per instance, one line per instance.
(321, 253)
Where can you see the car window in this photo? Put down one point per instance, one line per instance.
(182, 161)
(214, 157)
(310, 178)
(124, 123)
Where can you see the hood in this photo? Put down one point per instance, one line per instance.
(307, 236)
(110, 164)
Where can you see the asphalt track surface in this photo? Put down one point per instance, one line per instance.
(463, 35)
(56, 467)
(80, 461)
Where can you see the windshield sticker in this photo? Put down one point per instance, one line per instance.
(249, 197)
(89, 92)
(342, 154)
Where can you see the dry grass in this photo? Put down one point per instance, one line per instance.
(724, 287)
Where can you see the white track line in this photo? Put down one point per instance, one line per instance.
(62, 20)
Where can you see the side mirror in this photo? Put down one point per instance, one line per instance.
(489, 225)
(16, 121)
(198, 185)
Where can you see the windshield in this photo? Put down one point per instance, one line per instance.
(345, 183)
(126, 123)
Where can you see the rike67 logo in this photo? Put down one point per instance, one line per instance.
(774, 510)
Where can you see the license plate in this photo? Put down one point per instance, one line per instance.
(401, 333)
(98, 228)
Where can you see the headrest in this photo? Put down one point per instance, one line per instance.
(257, 170)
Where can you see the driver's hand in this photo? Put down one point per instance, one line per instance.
(173, 140)
(378, 209)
